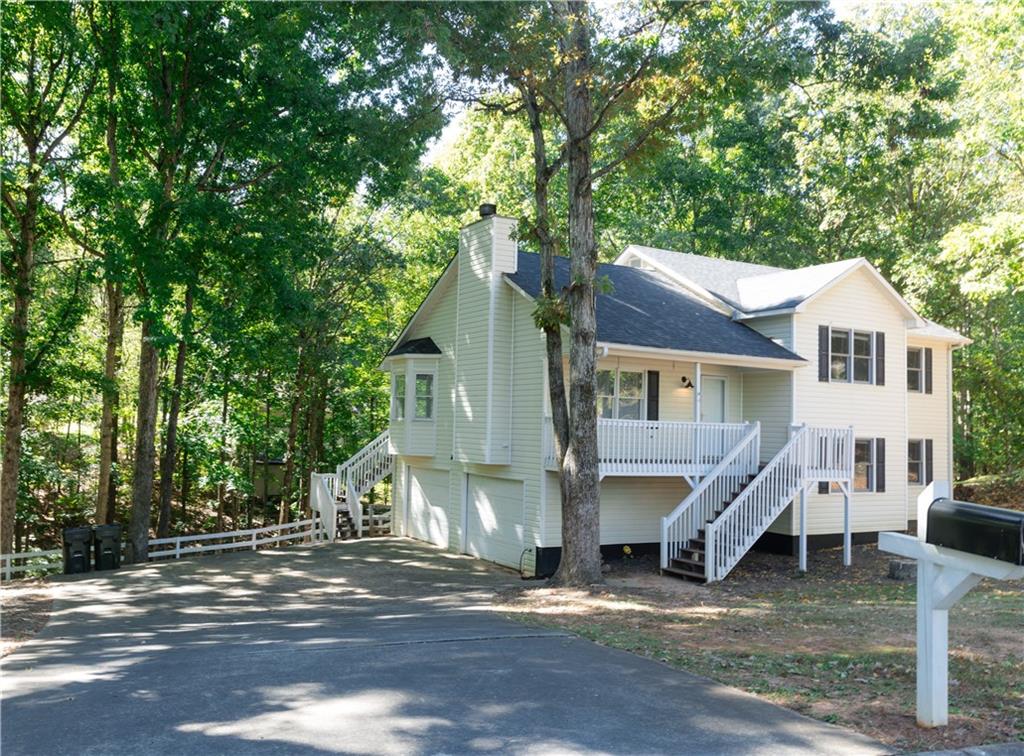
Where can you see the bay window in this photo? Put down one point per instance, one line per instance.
(424, 396)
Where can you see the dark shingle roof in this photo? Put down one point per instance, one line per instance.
(643, 309)
(415, 346)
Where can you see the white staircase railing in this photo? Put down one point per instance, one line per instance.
(714, 492)
(809, 455)
(365, 469)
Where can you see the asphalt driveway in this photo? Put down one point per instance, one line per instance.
(382, 646)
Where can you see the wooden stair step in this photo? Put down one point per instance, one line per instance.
(692, 576)
(685, 563)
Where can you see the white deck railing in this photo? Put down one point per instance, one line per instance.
(657, 447)
(711, 495)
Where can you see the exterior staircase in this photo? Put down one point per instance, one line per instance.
(710, 531)
(337, 497)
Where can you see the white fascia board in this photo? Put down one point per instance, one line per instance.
(736, 360)
(737, 315)
(691, 286)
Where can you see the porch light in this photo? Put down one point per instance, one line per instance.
(687, 383)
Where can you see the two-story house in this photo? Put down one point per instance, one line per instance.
(739, 405)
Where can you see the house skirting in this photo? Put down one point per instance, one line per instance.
(548, 557)
(789, 545)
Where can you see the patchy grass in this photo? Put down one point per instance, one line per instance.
(836, 644)
(24, 611)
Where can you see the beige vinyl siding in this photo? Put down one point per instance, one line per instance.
(928, 417)
(471, 359)
(768, 399)
(674, 401)
(776, 327)
(631, 508)
(858, 302)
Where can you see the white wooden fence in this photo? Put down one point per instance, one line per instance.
(53, 560)
(31, 561)
(252, 539)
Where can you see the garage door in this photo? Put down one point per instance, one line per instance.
(428, 505)
(494, 520)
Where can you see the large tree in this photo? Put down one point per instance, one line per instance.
(322, 99)
(599, 88)
(49, 74)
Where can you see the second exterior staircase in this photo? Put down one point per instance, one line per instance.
(732, 506)
(337, 496)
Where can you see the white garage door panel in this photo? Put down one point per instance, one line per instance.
(428, 505)
(494, 521)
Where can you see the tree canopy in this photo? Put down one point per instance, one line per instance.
(217, 216)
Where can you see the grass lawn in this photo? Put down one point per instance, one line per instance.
(836, 644)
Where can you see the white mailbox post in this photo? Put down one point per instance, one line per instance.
(944, 576)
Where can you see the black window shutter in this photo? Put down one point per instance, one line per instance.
(653, 382)
(823, 354)
(929, 469)
(928, 370)
(879, 358)
(822, 486)
(880, 465)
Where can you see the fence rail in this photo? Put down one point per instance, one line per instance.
(29, 561)
(253, 538)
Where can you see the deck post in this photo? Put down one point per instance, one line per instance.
(697, 388)
(847, 555)
(803, 529)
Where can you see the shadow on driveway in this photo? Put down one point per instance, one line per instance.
(383, 646)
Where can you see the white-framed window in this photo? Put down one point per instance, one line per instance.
(851, 356)
(864, 464)
(915, 369)
(424, 396)
(915, 462)
(620, 394)
(398, 396)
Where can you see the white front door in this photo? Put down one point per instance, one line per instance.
(712, 400)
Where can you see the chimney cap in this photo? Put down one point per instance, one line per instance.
(488, 209)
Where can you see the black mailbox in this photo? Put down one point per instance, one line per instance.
(107, 546)
(77, 548)
(977, 529)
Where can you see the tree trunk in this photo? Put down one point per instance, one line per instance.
(293, 432)
(183, 517)
(581, 542)
(221, 485)
(314, 440)
(145, 446)
(14, 420)
(551, 315)
(107, 494)
(163, 527)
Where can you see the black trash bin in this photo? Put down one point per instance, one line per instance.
(107, 546)
(77, 550)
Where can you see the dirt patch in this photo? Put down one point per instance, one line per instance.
(24, 611)
(1005, 491)
(836, 644)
